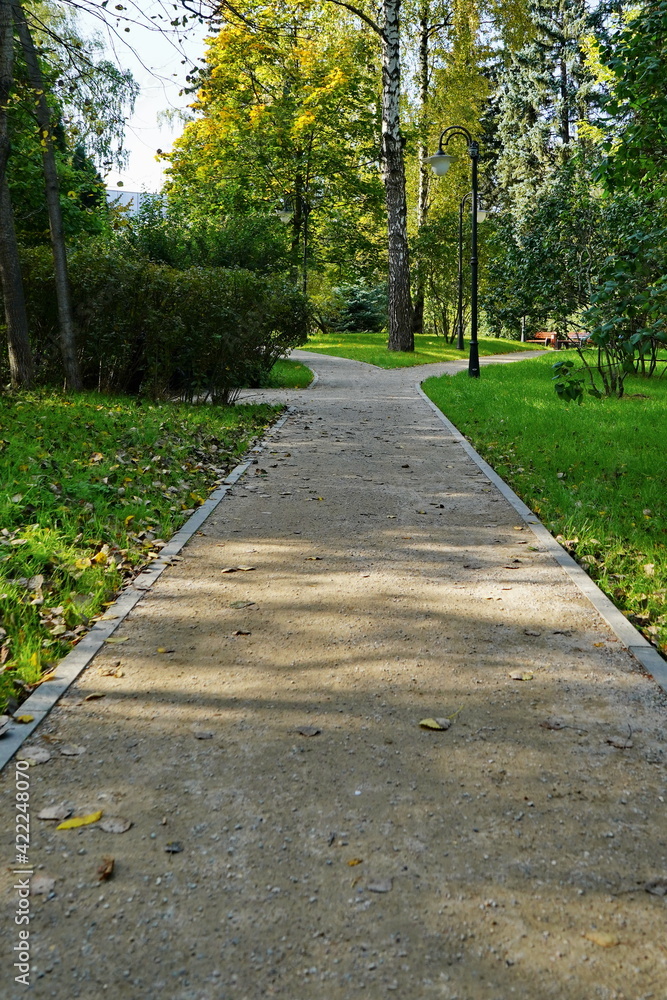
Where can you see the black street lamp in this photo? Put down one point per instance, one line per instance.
(441, 162)
(481, 216)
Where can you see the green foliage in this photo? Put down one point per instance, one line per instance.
(89, 487)
(591, 473)
(358, 307)
(183, 239)
(148, 328)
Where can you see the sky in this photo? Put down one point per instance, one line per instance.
(155, 62)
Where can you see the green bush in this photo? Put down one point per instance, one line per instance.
(147, 328)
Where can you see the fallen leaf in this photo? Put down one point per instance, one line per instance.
(521, 675)
(620, 742)
(599, 644)
(438, 724)
(71, 824)
(657, 886)
(115, 824)
(105, 870)
(163, 649)
(203, 734)
(602, 939)
(241, 604)
(553, 724)
(42, 885)
(71, 750)
(117, 672)
(313, 558)
(24, 718)
(308, 730)
(114, 639)
(240, 631)
(94, 696)
(381, 885)
(36, 755)
(174, 847)
(246, 569)
(59, 812)
(530, 631)
(355, 861)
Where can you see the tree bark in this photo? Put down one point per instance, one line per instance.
(18, 341)
(401, 337)
(67, 336)
(423, 195)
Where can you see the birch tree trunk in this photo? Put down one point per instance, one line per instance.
(401, 337)
(66, 323)
(423, 199)
(18, 341)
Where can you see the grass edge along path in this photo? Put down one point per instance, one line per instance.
(372, 348)
(92, 489)
(289, 374)
(594, 474)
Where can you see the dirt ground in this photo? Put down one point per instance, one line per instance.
(295, 832)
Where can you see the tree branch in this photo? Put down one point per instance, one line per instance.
(360, 14)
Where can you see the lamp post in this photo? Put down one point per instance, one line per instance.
(481, 216)
(441, 162)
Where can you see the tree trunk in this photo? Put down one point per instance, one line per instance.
(401, 337)
(423, 196)
(67, 336)
(564, 100)
(18, 341)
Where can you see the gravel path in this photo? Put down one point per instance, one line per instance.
(295, 833)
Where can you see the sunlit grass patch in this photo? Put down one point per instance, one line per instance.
(429, 349)
(90, 489)
(594, 474)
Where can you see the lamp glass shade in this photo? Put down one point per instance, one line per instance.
(440, 162)
(482, 214)
(285, 215)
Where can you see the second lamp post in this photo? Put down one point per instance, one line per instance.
(441, 162)
(481, 215)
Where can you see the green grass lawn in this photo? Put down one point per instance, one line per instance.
(594, 474)
(90, 485)
(372, 348)
(287, 374)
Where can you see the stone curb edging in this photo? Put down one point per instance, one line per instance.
(649, 658)
(68, 669)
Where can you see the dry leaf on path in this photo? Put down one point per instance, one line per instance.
(381, 885)
(440, 725)
(115, 824)
(241, 631)
(313, 558)
(72, 824)
(71, 750)
(308, 730)
(59, 812)
(105, 870)
(553, 724)
(531, 631)
(602, 938)
(42, 885)
(174, 847)
(24, 718)
(657, 886)
(35, 755)
(164, 649)
(114, 638)
(94, 695)
(521, 675)
(620, 742)
(203, 734)
(355, 861)
(242, 604)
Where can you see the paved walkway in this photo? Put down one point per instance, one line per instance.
(296, 834)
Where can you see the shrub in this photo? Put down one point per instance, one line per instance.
(201, 332)
(358, 307)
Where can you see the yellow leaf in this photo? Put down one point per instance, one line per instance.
(433, 724)
(355, 861)
(602, 939)
(71, 824)
(521, 675)
(113, 639)
(129, 519)
(100, 558)
(24, 718)
(83, 563)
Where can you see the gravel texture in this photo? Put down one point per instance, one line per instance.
(295, 832)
